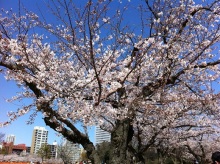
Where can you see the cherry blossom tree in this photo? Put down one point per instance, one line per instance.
(149, 81)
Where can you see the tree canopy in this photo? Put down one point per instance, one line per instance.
(145, 71)
(44, 152)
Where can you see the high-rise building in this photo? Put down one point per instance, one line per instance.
(10, 138)
(101, 135)
(28, 149)
(53, 150)
(39, 138)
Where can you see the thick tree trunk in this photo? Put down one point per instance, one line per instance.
(120, 138)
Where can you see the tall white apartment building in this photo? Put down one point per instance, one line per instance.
(101, 135)
(10, 138)
(39, 137)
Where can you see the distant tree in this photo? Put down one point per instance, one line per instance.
(83, 155)
(66, 152)
(3, 151)
(44, 152)
(146, 71)
(7, 148)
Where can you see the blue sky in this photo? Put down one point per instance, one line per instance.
(19, 128)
